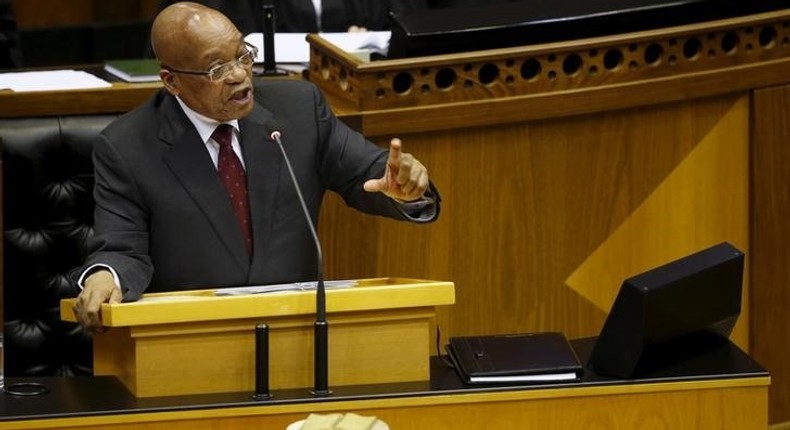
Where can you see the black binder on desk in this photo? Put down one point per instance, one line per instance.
(514, 358)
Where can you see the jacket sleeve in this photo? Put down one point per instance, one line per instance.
(348, 159)
(120, 237)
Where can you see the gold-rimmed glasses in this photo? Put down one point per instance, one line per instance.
(222, 71)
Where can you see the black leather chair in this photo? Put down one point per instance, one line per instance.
(47, 217)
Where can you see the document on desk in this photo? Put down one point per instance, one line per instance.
(293, 286)
(51, 80)
(294, 48)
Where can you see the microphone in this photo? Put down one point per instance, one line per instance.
(321, 335)
(269, 62)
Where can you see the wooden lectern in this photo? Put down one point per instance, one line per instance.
(197, 342)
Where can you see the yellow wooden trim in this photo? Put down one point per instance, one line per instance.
(203, 305)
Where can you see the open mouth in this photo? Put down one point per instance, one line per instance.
(242, 96)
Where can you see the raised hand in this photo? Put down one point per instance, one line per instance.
(405, 178)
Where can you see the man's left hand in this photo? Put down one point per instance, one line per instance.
(405, 178)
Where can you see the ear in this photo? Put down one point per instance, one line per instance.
(170, 80)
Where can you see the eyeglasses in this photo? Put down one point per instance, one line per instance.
(222, 71)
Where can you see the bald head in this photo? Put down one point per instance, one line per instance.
(190, 40)
(183, 28)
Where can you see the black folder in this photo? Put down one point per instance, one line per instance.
(514, 358)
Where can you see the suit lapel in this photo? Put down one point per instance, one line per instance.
(263, 162)
(191, 164)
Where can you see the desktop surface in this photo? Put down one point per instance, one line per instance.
(105, 395)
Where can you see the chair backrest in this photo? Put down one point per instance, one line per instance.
(47, 208)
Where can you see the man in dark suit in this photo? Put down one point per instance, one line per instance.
(163, 219)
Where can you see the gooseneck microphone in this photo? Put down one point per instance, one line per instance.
(321, 335)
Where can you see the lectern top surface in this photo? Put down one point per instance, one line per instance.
(208, 305)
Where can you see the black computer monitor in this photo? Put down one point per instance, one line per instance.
(670, 313)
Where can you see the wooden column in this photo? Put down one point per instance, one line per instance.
(770, 233)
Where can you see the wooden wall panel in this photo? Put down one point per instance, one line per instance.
(578, 233)
(771, 241)
(529, 207)
(52, 13)
(59, 13)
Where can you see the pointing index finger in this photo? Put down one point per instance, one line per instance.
(395, 150)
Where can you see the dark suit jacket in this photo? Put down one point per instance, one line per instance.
(162, 216)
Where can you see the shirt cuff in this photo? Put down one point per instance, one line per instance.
(92, 269)
(424, 209)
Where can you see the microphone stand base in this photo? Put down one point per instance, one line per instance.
(269, 72)
(320, 393)
(265, 396)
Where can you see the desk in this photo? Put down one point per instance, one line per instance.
(721, 389)
(121, 97)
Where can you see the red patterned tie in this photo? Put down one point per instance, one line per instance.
(231, 173)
